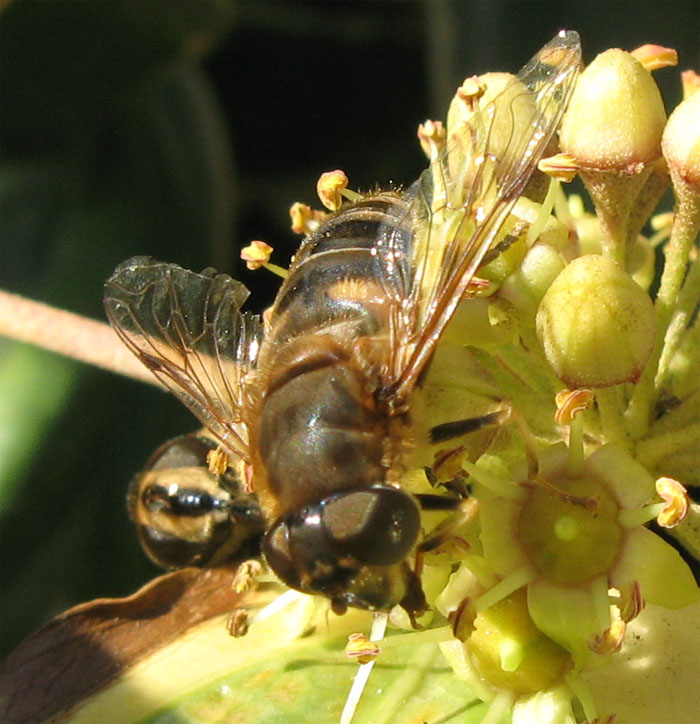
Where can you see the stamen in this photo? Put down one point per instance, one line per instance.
(377, 631)
(630, 602)
(237, 622)
(502, 486)
(361, 649)
(561, 167)
(662, 225)
(569, 404)
(502, 702)
(582, 691)
(431, 135)
(610, 641)
(428, 636)
(350, 195)
(631, 518)
(217, 461)
(247, 576)
(690, 81)
(256, 255)
(576, 452)
(601, 601)
(547, 205)
(329, 188)
(653, 57)
(519, 578)
(471, 90)
(677, 502)
(305, 220)
(279, 604)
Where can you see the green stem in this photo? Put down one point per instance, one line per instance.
(652, 450)
(576, 451)
(611, 417)
(688, 299)
(683, 234)
(687, 378)
(686, 413)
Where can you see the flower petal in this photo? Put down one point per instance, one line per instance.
(568, 615)
(663, 576)
(502, 549)
(655, 676)
(627, 479)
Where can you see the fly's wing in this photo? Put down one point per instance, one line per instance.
(462, 200)
(188, 329)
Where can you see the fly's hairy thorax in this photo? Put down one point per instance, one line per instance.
(321, 424)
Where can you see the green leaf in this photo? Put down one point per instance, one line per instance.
(164, 656)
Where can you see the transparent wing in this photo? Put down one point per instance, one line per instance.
(188, 329)
(462, 200)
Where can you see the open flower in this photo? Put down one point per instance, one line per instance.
(573, 535)
(566, 555)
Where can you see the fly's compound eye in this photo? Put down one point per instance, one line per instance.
(320, 547)
(377, 526)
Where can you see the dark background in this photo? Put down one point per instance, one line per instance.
(183, 130)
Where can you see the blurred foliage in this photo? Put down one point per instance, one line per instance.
(182, 130)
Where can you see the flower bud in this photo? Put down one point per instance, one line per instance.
(595, 324)
(616, 116)
(613, 129)
(528, 284)
(681, 142)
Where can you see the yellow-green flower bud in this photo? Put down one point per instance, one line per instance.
(681, 142)
(528, 284)
(595, 324)
(616, 116)
(613, 129)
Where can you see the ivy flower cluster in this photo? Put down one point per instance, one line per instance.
(597, 361)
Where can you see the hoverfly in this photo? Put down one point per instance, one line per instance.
(188, 515)
(321, 402)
